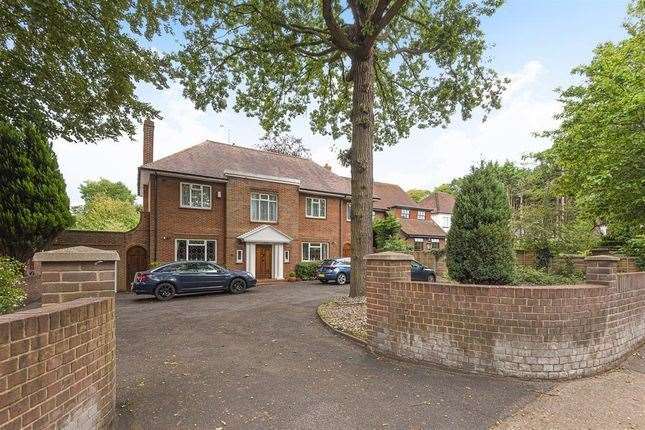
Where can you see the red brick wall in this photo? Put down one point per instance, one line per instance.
(334, 229)
(551, 332)
(57, 366)
(174, 222)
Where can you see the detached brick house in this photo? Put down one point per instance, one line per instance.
(243, 208)
(417, 220)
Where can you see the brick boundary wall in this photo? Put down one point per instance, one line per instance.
(553, 332)
(57, 366)
(71, 273)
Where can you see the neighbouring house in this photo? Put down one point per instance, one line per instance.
(418, 225)
(440, 205)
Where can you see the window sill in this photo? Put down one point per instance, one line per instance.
(264, 222)
(315, 217)
(196, 208)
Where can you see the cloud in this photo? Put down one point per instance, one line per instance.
(426, 159)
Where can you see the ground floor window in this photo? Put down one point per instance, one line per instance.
(314, 251)
(195, 250)
(418, 244)
(239, 256)
(433, 244)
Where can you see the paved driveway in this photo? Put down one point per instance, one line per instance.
(263, 360)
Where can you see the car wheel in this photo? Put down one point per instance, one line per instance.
(432, 278)
(165, 292)
(237, 286)
(324, 281)
(341, 279)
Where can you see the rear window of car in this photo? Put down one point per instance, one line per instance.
(166, 268)
(328, 262)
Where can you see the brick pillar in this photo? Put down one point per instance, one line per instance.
(72, 273)
(601, 269)
(381, 270)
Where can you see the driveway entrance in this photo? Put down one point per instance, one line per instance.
(263, 360)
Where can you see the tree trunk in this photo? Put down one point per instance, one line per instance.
(362, 169)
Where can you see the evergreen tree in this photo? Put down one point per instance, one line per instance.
(34, 206)
(480, 243)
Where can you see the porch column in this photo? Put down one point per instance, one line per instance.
(250, 258)
(278, 261)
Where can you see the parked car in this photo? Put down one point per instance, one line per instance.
(339, 270)
(188, 277)
(336, 270)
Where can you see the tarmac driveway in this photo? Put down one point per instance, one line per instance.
(263, 360)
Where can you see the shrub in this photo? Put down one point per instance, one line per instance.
(635, 247)
(291, 274)
(480, 243)
(385, 229)
(396, 244)
(533, 276)
(12, 294)
(306, 270)
(35, 206)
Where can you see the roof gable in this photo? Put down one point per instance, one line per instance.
(439, 202)
(391, 195)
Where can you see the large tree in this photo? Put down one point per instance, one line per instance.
(601, 140)
(71, 66)
(285, 144)
(369, 70)
(34, 206)
(109, 206)
(116, 190)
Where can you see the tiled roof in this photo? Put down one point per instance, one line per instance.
(416, 227)
(439, 202)
(390, 195)
(214, 159)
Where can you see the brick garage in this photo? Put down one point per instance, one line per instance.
(553, 332)
(57, 366)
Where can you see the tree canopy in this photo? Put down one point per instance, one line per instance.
(35, 206)
(286, 145)
(116, 190)
(600, 143)
(71, 67)
(368, 70)
(418, 194)
(109, 206)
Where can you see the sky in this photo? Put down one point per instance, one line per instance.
(534, 43)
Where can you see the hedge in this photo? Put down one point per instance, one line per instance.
(306, 270)
(12, 293)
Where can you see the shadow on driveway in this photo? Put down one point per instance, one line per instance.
(263, 360)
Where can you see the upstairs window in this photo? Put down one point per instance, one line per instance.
(196, 196)
(314, 251)
(405, 213)
(195, 250)
(421, 215)
(264, 207)
(316, 207)
(445, 222)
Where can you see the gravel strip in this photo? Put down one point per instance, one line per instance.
(346, 314)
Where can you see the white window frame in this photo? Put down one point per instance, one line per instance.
(204, 244)
(421, 215)
(322, 206)
(348, 212)
(286, 256)
(194, 187)
(239, 256)
(405, 213)
(322, 245)
(445, 221)
(263, 197)
(432, 242)
(418, 240)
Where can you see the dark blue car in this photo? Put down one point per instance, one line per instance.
(339, 270)
(188, 277)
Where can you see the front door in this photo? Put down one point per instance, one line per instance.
(263, 261)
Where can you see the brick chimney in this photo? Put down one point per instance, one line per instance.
(148, 140)
(327, 166)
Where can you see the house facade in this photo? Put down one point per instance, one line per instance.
(245, 209)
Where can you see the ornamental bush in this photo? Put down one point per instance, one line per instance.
(12, 293)
(479, 245)
(34, 206)
(306, 270)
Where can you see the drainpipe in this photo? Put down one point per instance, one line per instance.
(156, 214)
